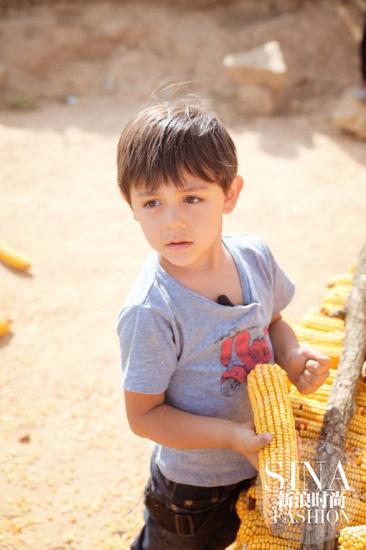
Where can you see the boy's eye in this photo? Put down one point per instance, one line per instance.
(192, 199)
(151, 204)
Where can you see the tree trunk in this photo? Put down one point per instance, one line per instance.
(339, 411)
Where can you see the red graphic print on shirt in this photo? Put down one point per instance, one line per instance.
(239, 356)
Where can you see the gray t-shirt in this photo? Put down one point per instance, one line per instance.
(199, 352)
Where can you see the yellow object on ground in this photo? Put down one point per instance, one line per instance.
(5, 325)
(13, 258)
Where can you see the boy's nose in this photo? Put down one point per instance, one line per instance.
(174, 219)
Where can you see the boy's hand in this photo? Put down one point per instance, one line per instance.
(307, 368)
(248, 443)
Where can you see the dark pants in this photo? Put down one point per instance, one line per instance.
(218, 529)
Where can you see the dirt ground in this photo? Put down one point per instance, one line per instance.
(72, 473)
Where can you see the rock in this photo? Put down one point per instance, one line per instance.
(350, 114)
(263, 66)
(261, 75)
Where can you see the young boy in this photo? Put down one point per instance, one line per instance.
(203, 311)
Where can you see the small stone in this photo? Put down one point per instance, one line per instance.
(263, 66)
(261, 75)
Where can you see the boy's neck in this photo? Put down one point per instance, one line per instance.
(208, 264)
(213, 275)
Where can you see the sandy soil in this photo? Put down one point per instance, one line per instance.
(127, 49)
(72, 472)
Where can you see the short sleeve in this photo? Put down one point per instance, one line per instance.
(283, 287)
(148, 351)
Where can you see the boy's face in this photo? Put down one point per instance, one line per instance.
(184, 224)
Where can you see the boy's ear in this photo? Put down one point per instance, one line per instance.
(232, 194)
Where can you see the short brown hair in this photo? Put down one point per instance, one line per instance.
(166, 139)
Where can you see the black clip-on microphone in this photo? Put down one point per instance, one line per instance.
(224, 300)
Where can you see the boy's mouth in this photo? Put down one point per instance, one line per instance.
(179, 244)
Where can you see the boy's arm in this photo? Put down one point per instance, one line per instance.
(306, 368)
(150, 417)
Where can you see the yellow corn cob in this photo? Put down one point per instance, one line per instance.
(360, 397)
(314, 410)
(356, 427)
(339, 290)
(308, 408)
(336, 297)
(356, 509)
(13, 258)
(341, 279)
(358, 421)
(321, 394)
(5, 325)
(253, 531)
(253, 515)
(270, 543)
(315, 337)
(318, 339)
(356, 512)
(272, 413)
(252, 492)
(330, 310)
(317, 320)
(265, 541)
(354, 466)
(311, 429)
(356, 477)
(353, 537)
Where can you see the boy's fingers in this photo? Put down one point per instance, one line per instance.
(317, 356)
(306, 378)
(259, 441)
(315, 367)
(308, 382)
(304, 384)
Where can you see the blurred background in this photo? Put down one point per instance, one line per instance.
(283, 76)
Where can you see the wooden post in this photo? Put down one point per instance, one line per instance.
(340, 408)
